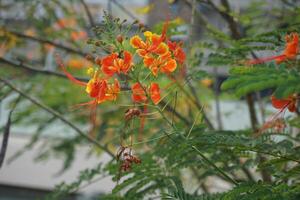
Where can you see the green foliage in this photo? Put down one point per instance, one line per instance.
(63, 189)
(244, 80)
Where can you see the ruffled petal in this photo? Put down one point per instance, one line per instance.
(138, 94)
(155, 93)
(279, 103)
(137, 42)
(169, 66)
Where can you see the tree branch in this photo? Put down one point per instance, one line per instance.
(59, 116)
(46, 41)
(125, 10)
(33, 70)
(88, 13)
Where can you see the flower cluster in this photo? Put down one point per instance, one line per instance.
(99, 87)
(159, 54)
(290, 53)
(70, 23)
(155, 53)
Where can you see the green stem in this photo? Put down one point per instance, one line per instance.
(214, 166)
(199, 152)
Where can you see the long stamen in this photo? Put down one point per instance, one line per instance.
(283, 109)
(70, 76)
(263, 60)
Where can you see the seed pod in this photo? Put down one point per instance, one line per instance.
(135, 22)
(90, 41)
(120, 38)
(98, 43)
(141, 26)
(98, 60)
(89, 57)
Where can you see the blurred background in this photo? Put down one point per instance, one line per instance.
(39, 154)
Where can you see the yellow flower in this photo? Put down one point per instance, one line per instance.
(178, 21)
(207, 82)
(148, 34)
(90, 71)
(145, 9)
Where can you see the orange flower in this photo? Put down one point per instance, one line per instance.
(97, 87)
(101, 90)
(207, 82)
(290, 52)
(78, 35)
(155, 93)
(112, 64)
(165, 64)
(48, 47)
(177, 51)
(78, 63)
(291, 49)
(276, 121)
(156, 53)
(112, 91)
(154, 43)
(283, 104)
(137, 42)
(65, 22)
(138, 93)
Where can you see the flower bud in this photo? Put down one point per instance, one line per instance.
(120, 39)
(98, 60)
(89, 57)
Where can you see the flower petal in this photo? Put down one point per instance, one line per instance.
(279, 103)
(155, 93)
(169, 66)
(138, 94)
(148, 61)
(137, 42)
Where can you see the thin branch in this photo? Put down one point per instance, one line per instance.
(34, 70)
(195, 101)
(228, 178)
(174, 112)
(6, 133)
(125, 10)
(59, 116)
(46, 41)
(233, 26)
(217, 99)
(88, 13)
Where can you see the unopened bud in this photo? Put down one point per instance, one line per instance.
(120, 39)
(98, 60)
(141, 26)
(98, 43)
(89, 57)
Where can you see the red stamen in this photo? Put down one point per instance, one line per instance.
(263, 60)
(70, 76)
